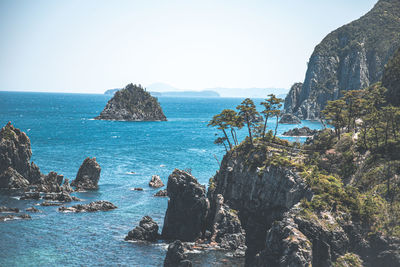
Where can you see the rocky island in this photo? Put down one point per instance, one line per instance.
(133, 103)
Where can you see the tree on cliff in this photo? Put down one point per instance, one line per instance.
(227, 119)
(272, 107)
(247, 110)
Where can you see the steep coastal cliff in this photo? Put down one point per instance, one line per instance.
(391, 79)
(350, 58)
(132, 103)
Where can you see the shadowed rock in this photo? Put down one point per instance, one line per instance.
(88, 175)
(14, 217)
(176, 256)
(146, 231)
(7, 209)
(161, 193)
(304, 131)
(289, 119)
(188, 205)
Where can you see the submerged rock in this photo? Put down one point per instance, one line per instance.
(14, 217)
(32, 209)
(176, 256)
(61, 197)
(146, 231)
(91, 207)
(187, 210)
(88, 175)
(7, 209)
(132, 103)
(51, 203)
(156, 182)
(161, 193)
(288, 118)
(304, 131)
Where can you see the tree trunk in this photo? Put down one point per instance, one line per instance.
(227, 139)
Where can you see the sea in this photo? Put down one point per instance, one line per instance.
(63, 133)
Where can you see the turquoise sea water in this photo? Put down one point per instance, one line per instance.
(63, 134)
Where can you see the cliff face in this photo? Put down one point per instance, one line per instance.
(260, 195)
(350, 58)
(132, 103)
(391, 79)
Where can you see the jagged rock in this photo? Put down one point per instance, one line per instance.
(132, 103)
(304, 131)
(146, 231)
(349, 58)
(292, 98)
(15, 153)
(51, 183)
(11, 179)
(226, 227)
(156, 182)
(33, 209)
(161, 193)
(66, 187)
(176, 256)
(187, 210)
(88, 175)
(7, 209)
(289, 118)
(91, 207)
(14, 217)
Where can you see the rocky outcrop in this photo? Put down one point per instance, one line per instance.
(187, 210)
(260, 195)
(91, 207)
(226, 228)
(350, 58)
(146, 231)
(161, 193)
(156, 182)
(289, 118)
(293, 97)
(88, 175)
(176, 256)
(132, 103)
(15, 154)
(304, 131)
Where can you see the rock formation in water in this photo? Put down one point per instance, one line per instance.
(188, 205)
(10, 217)
(88, 175)
(146, 231)
(176, 256)
(391, 79)
(133, 103)
(289, 118)
(16, 170)
(156, 182)
(304, 131)
(161, 193)
(350, 58)
(91, 207)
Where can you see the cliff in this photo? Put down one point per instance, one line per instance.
(132, 103)
(350, 58)
(391, 79)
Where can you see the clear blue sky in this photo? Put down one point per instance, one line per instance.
(92, 45)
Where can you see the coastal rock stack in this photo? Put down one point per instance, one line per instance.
(146, 231)
(88, 175)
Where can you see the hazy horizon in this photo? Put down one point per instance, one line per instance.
(91, 46)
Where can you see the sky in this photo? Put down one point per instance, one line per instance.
(92, 45)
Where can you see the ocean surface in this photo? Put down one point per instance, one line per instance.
(63, 133)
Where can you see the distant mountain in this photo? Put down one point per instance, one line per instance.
(186, 94)
(350, 58)
(249, 92)
(161, 87)
(112, 91)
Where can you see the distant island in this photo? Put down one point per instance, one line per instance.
(205, 93)
(133, 103)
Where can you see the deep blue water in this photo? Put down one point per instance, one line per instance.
(63, 134)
